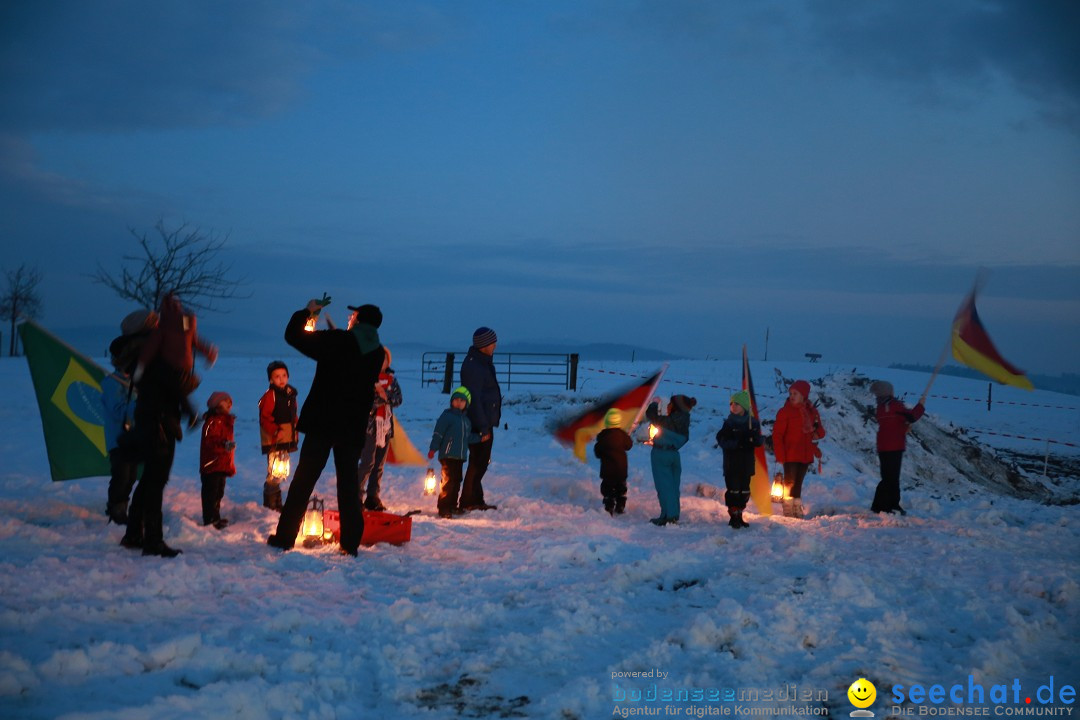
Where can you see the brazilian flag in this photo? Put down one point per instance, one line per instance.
(68, 388)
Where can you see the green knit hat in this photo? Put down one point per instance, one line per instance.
(742, 399)
(463, 393)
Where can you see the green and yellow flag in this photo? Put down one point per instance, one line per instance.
(68, 388)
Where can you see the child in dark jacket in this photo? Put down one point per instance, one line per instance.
(738, 437)
(451, 439)
(893, 418)
(612, 444)
(277, 430)
(216, 456)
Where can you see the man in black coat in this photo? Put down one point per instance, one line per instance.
(334, 417)
(485, 410)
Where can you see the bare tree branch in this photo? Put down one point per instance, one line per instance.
(20, 300)
(183, 261)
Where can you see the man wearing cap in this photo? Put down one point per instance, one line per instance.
(334, 416)
(485, 410)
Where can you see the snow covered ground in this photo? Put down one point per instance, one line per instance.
(532, 610)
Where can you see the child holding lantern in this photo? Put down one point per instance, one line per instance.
(216, 456)
(451, 439)
(277, 430)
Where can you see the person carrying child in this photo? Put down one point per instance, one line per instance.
(738, 437)
(612, 444)
(796, 432)
(174, 341)
(451, 439)
(674, 432)
(380, 429)
(216, 456)
(118, 402)
(277, 427)
(893, 418)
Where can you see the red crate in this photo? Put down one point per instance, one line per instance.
(378, 527)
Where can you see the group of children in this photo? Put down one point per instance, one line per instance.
(796, 433)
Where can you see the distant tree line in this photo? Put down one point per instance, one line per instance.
(1068, 383)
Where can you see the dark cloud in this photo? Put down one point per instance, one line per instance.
(122, 65)
(1033, 44)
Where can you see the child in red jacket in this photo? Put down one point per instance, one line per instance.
(796, 432)
(893, 418)
(216, 456)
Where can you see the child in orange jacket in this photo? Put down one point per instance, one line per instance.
(796, 432)
(277, 427)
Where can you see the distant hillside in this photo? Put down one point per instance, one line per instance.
(1069, 383)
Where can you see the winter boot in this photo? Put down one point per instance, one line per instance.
(620, 505)
(609, 505)
(733, 518)
(117, 512)
(788, 506)
(160, 549)
(742, 520)
(272, 496)
(797, 509)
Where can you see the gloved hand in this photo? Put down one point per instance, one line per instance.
(430, 454)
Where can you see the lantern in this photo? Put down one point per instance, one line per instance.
(311, 531)
(653, 432)
(431, 484)
(279, 465)
(311, 322)
(779, 492)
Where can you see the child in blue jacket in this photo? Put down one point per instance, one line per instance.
(451, 440)
(674, 432)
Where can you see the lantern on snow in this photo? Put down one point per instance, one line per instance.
(779, 492)
(430, 483)
(279, 465)
(312, 529)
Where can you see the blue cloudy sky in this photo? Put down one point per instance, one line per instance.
(680, 175)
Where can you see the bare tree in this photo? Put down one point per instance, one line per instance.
(183, 261)
(20, 300)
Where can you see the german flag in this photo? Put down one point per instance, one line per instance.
(760, 484)
(971, 345)
(581, 429)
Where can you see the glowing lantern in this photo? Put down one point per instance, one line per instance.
(779, 492)
(279, 465)
(312, 530)
(653, 432)
(431, 485)
(311, 322)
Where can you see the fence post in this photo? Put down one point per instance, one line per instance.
(989, 395)
(448, 374)
(572, 384)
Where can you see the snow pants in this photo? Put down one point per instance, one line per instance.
(346, 444)
(738, 491)
(887, 495)
(472, 489)
(124, 471)
(667, 474)
(213, 490)
(451, 484)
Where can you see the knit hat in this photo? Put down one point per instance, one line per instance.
(463, 392)
(367, 314)
(138, 320)
(276, 365)
(483, 337)
(881, 389)
(613, 418)
(742, 399)
(216, 398)
(683, 402)
(802, 387)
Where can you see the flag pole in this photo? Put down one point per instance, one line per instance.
(980, 278)
(652, 390)
(937, 369)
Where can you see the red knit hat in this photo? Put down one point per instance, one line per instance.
(216, 398)
(802, 387)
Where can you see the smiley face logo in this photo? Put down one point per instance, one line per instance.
(862, 693)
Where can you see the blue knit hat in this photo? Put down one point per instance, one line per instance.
(483, 337)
